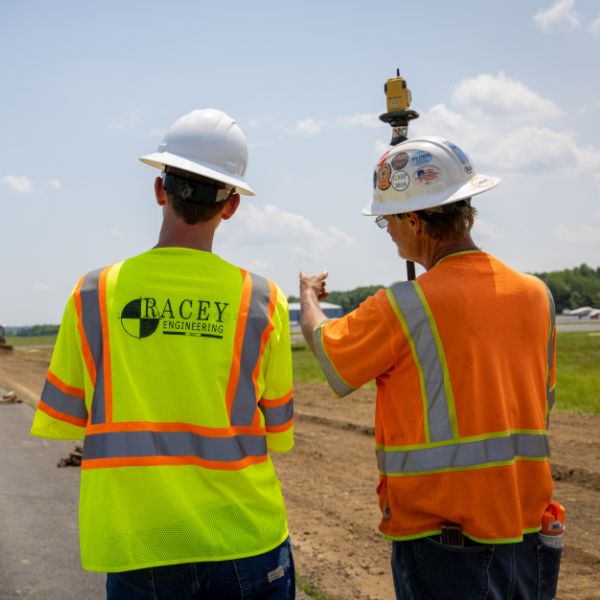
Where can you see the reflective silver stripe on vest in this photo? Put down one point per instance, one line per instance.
(129, 444)
(244, 401)
(63, 402)
(339, 386)
(413, 311)
(280, 415)
(467, 454)
(550, 396)
(92, 325)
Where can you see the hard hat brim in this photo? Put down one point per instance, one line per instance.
(476, 185)
(162, 159)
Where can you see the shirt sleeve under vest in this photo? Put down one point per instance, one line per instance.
(62, 411)
(359, 346)
(277, 399)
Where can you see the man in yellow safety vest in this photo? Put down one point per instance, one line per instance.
(174, 367)
(464, 360)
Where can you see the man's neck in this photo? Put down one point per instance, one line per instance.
(443, 248)
(181, 235)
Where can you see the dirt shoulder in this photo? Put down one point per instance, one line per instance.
(329, 484)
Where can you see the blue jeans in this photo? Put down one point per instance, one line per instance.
(425, 568)
(268, 576)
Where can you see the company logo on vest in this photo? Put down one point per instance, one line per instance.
(142, 317)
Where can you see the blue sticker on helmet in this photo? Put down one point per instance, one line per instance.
(459, 153)
(420, 158)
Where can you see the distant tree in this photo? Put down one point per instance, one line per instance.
(573, 288)
(349, 299)
(36, 330)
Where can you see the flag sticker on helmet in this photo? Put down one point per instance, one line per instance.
(383, 176)
(400, 180)
(427, 175)
(399, 161)
(422, 157)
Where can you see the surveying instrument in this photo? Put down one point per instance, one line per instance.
(398, 115)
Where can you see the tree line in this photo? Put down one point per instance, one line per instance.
(32, 330)
(571, 288)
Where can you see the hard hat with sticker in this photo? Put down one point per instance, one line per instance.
(422, 173)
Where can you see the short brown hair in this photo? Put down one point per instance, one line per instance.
(449, 221)
(194, 212)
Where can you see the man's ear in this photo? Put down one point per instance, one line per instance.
(231, 205)
(159, 192)
(414, 221)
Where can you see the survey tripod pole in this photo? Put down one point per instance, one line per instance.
(398, 115)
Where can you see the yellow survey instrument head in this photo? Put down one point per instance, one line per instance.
(397, 94)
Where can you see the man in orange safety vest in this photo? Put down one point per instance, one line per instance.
(464, 361)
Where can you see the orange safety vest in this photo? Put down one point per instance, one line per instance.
(464, 359)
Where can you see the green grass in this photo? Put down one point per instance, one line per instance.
(578, 374)
(309, 590)
(578, 377)
(34, 340)
(306, 366)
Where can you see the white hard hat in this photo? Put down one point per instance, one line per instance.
(207, 142)
(423, 173)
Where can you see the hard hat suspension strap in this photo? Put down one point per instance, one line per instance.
(197, 192)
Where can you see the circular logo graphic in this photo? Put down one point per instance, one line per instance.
(383, 176)
(400, 180)
(134, 324)
(481, 182)
(399, 161)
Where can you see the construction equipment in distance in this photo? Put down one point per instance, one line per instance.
(3, 344)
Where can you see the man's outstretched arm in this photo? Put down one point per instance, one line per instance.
(312, 289)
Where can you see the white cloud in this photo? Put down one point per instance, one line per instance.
(128, 122)
(595, 26)
(488, 230)
(504, 98)
(582, 234)
(529, 147)
(55, 183)
(307, 126)
(500, 138)
(300, 234)
(312, 126)
(369, 120)
(560, 16)
(18, 184)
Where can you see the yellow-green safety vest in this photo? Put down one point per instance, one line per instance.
(174, 367)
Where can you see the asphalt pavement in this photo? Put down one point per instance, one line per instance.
(39, 540)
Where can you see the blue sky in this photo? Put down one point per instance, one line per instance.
(90, 86)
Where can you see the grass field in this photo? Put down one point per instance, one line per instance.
(34, 340)
(578, 374)
(578, 359)
(578, 377)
